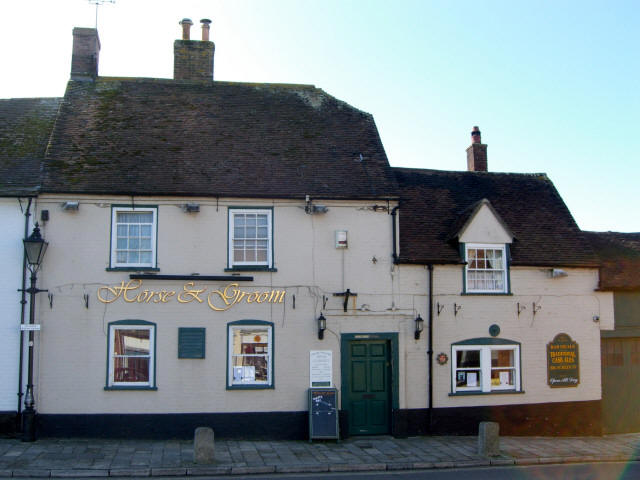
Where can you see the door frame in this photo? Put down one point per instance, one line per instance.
(392, 338)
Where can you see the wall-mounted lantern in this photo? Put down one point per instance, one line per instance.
(322, 326)
(419, 327)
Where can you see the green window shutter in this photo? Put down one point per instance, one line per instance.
(191, 342)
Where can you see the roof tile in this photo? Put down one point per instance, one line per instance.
(434, 202)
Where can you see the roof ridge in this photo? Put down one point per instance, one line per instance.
(30, 98)
(200, 82)
(457, 172)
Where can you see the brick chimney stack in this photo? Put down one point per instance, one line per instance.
(193, 59)
(476, 153)
(84, 58)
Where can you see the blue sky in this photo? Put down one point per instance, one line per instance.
(554, 86)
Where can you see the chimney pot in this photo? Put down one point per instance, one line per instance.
(476, 153)
(206, 25)
(186, 28)
(475, 135)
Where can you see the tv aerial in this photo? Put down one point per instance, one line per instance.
(97, 3)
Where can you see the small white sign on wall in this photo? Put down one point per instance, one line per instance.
(320, 368)
(29, 326)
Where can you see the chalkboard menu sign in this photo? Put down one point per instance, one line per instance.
(323, 413)
(563, 365)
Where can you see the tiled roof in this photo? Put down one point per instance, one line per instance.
(25, 126)
(620, 256)
(167, 137)
(433, 204)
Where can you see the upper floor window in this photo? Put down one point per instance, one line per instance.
(250, 238)
(486, 269)
(133, 237)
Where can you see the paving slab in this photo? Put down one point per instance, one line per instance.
(252, 470)
(130, 472)
(357, 467)
(31, 473)
(302, 468)
(79, 473)
(78, 458)
(210, 470)
(168, 472)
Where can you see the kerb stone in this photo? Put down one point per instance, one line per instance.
(489, 439)
(203, 446)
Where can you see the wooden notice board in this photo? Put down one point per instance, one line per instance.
(323, 413)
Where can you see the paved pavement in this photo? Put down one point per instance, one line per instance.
(76, 458)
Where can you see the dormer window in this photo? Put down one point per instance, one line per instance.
(486, 269)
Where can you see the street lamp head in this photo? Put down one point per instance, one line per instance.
(35, 248)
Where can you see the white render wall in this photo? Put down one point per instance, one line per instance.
(74, 348)
(73, 354)
(11, 254)
(568, 305)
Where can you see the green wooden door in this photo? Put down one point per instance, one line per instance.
(620, 385)
(368, 387)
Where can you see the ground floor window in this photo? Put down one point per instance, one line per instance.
(485, 365)
(131, 354)
(250, 354)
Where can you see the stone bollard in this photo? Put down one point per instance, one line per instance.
(489, 439)
(203, 448)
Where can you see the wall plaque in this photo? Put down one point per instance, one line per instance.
(563, 365)
(320, 368)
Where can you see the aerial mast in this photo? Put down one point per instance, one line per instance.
(97, 3)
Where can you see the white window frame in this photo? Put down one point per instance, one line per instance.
(484, 382)
(269, 355)
(152, 346)
(114, 237)
(505, 266)
(257, 211)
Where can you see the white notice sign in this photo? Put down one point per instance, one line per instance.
(30, 326)
(320, 368)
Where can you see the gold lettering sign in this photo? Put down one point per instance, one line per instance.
(563, 366)
(218, 300)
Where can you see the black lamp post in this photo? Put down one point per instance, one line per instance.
(34, 248)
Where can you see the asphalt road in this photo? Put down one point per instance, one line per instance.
(578, 471)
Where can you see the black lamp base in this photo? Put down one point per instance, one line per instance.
(28, 425)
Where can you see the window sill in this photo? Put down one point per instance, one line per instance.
(132, 269)
(250, 268)
(494, 392)
(124, 387)
(250, 387)
(491, 294)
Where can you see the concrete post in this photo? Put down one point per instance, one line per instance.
(203, 446)
(489, 439)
